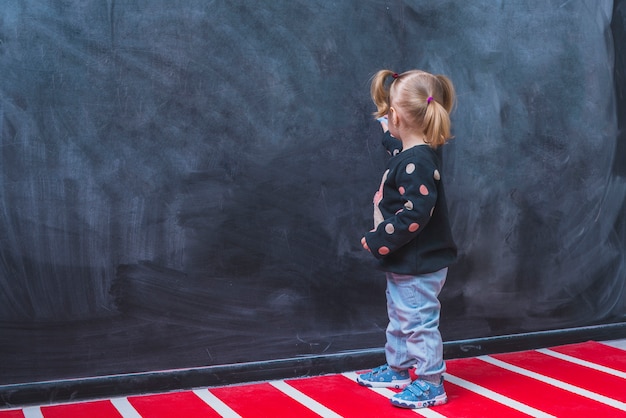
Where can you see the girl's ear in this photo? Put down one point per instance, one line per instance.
(393, 116)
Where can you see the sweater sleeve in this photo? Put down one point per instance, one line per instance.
(416, 186)
(391, 144)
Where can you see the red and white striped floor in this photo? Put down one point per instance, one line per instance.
(578, 380)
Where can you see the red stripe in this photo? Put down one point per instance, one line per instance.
(583, 377)
(97, 409)
(531, 392)
(598, 353)
(261, 400)
(179, 404)
(12, 414)
(347, 398)
(465, 403)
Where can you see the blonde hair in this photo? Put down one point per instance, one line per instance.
(425, 98)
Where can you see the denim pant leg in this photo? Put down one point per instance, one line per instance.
(413, 337)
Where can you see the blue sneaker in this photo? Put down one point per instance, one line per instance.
(420, 394)
(384, 377)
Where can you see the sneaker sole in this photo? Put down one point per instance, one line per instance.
(439, 400)
(396, 384)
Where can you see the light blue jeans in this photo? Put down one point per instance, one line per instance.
(413, 337)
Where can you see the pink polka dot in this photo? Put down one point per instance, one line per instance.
(399, 210)
(424, 190)
(402, 190)
(383, 251)
(410, 168)
(389, 229)
(414, 227)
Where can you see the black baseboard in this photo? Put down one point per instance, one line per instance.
(533, 340)
(171, 380)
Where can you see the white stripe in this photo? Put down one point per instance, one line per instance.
(554, 382)
(615, 343)
(32, 412)
(310, 403)
(216, 403)
(388, 393)
(125, 408)
(511, 403)
(585, 363)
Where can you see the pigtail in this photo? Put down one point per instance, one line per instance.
(449, 95)
(437, 125)
(380, 93)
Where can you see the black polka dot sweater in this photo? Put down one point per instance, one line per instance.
(411, 232)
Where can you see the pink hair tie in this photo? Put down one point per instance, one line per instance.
(430, 99)
(395, 75)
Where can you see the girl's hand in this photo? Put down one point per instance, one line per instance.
(383, 123)
(364, 244)
(378, 217)
(378, 196)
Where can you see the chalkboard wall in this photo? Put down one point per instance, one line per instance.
(185, 183)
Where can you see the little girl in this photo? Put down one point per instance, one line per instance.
(411, 236)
